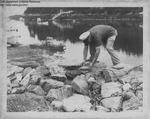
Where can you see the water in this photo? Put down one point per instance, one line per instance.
(128, 44)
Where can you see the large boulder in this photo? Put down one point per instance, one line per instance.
(57, 105)
(70, 64)
(113, 74)
(60, 93)
(128, 95)
(19, 77)
(133, 73)
(11, 69)
(50, 84)
(18, 90)
(26, 79)
(26, 71)
(109, 89)
(77, 103)
(35, 79)
(132, 104)
(135, 82)
(59, 77)
(114, 103)
(36, 90)
(37, 73)
(71, 74)
(15, 79)
(98, 67)
(80, 84)
(126, 87)
(25, 102)
(43, 70)
(51, 63)
(140, 87)
(139, 94)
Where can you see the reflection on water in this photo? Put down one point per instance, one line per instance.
(129, 39)
(129, 42)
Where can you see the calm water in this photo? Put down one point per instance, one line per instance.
(128, 45)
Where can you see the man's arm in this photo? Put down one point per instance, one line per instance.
(85, 52)
(95, 56)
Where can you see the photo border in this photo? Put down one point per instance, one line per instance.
(81, 3)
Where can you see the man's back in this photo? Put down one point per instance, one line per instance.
(100, 33)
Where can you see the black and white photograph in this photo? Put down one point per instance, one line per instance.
(75, 60)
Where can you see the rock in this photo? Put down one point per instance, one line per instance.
(49, 62)
(35, 79)
(26, 79)
(77, 103)
(36, 90)
(84, 68)
(26, 71)
(126, 79)
(79, 84)
(71, 74)
(122, 66)
(133, 75)
(137, 68)
(91, 79)
(87, 76)
(114, 103)
(11, 69)
(14, 82)
(132, 104)
(140, 80)
(136, 74)
(12, 77)
(9, 90)
(108, 89)
(99, 65)
(68, 82)
(55, 69)
(103, 109)
(114, 74)
(36, 73)
(96, 69)
(70, 64)
(140, 87)
(50, 84)
(57, 105)
(139, 94)
(25, 102)
(32, 64)
(43, 70)
(19, 77)
(59, 77)
(126, 87)
(15, 79)
(60, 93)
(18, 90)
(128, 95)
(134, 83)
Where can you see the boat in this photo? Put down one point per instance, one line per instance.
(52, 47)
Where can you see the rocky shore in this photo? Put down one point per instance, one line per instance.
(59, 85)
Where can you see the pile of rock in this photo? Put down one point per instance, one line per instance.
(62, 86)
